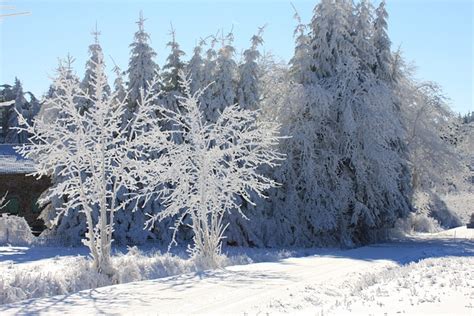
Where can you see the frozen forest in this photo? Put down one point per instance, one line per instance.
(357, 133)
(214, 151)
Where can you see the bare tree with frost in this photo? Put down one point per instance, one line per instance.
(93, 154)
(216, 163)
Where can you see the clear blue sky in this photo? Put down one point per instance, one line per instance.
(436, 34)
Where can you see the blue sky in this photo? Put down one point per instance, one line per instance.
(435, 34)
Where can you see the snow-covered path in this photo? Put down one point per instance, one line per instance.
(314, 284)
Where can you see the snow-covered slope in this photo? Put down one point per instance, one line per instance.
(384, 278)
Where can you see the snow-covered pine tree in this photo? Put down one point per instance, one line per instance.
(368, 166)
(382, 44)
(302, 209)
(300, 63)
(13, 136)
(224, 78)
(363, 36)
(141, 68)
(340, 181)
(248, 90)
(322, 38)
(195, 68)
(174, 65)
(119, 84)
(95, 53)
(208, 75)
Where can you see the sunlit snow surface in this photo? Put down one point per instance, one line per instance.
(425, 274)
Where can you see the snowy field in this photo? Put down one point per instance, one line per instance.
(424, 274)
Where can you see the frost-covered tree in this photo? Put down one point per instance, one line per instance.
(69, 226)
(20, 106)
(248, 91)
(330, 40)
(216, 162)
(174, 65)
(141, 68)
(87, 84)
(340, 182)
(224, 79)
(119, 84)
(303, 210)
(208, 76)
(382, 44)
(195, 68)
(363, 36)
(300, 63)
(95, 156)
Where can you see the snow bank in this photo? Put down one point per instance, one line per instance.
(65, 275)
(436, 285)
(73, 274)
(14, 230)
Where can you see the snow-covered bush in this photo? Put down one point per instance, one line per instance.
(414, 223)
(14, 230)
(72, 274)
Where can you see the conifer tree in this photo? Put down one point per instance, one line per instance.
(248, 92)
(382, 44)
(20, 107)
(208, 77)
(195, 68)
(119, 84)
(173, 65)
(141, 68)
(300, 64)
(363, 36)
(224, 90)
(87, 84)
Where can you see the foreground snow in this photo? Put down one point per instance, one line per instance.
(385, 278)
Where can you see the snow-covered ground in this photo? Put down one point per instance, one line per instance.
(429, 273)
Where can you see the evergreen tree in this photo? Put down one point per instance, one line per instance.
(300, 64)
(208, 77)
(173, 65)
(119, 84)
(20, 106)
(331, 37)
(171, 87)
(141, 68)
(224, 79)
(363, 36)
(87, 84)
(195, 68)
(340, 182)
(382, 44)
(248, 92)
